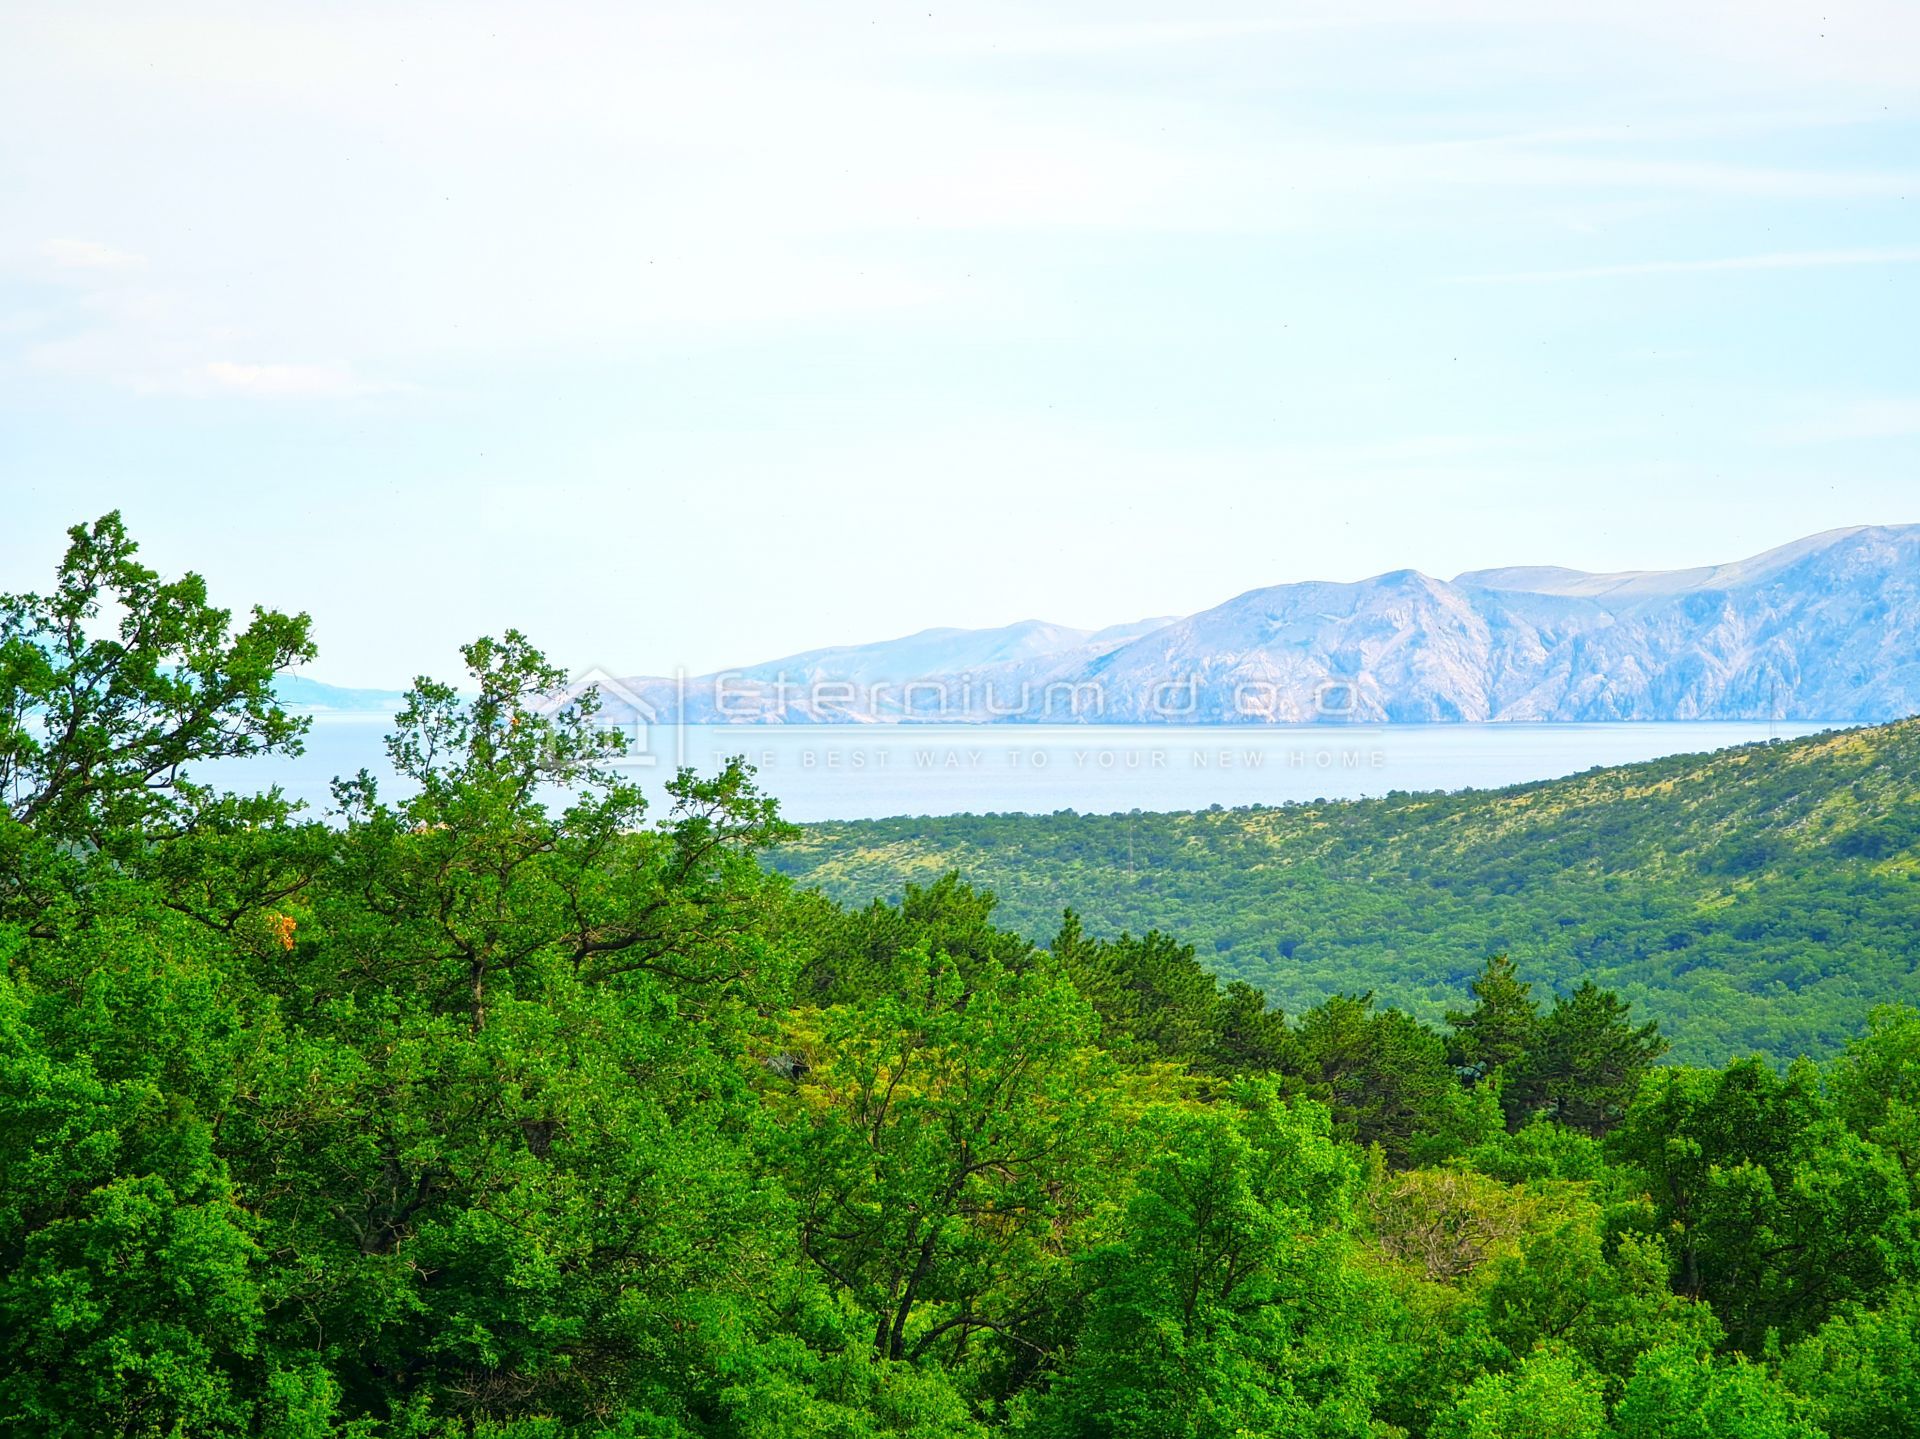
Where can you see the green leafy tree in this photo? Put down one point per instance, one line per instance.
(1541, 1149)
(512, 1152)
(1491, 1039)
(1876, 1084)
(474, 876)
(132, 1298)
(1156, 1001)
(1585, 1063)
(1387, 1079)
(939, 1142)
(1682, 1393)
(1604, 1295)
(869, 951)
(1774, 1211)
(115, 682)
(1861, 1370)
(1545, 1396)
(1225, 1305)
(1249, 1037)
(1149, 992)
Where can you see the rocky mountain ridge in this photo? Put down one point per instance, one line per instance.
(1827, 627)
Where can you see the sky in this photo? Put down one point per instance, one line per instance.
(695, 335)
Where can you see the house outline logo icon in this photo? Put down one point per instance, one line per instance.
(622, 709)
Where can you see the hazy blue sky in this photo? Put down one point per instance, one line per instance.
(699, 334)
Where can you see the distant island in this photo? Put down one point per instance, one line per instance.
(1825, 628)
(309, 696)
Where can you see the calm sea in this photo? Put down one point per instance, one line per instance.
(864, 771)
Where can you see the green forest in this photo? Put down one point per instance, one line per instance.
(525, 1105)
(1757, 900)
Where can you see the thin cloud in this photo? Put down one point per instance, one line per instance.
(307, 381)
(1785, 260)
(90, 255)
(325, 381)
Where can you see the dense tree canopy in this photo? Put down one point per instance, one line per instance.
(508, 1106)
(1761, 899)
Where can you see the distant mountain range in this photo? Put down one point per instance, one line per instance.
(1825, 628)
(310, 696)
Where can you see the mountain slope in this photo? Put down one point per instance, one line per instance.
(1825, 628)
(1553, 580)
(1756, 899)
(934, 651)
(297, 692)
(871, 682)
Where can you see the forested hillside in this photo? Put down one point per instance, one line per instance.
(481, 1115)
(1758, 899)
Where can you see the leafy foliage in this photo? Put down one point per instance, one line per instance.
(1757, 900)
(507, 1108)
